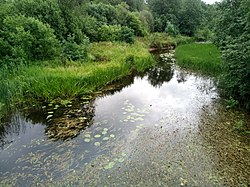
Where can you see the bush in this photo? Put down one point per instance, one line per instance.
(102, 12)
(47, 11)
(203, 35)
(134, 23)
(108, 32)
(171, 29)
(27, 38)
(125, 34)
(147, 20)
(74, 51)
(91, 28)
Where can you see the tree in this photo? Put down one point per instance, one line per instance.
(164, 11)
(190, 17)
(47, 11)
(27, 38)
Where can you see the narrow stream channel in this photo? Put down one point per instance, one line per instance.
(167, 128)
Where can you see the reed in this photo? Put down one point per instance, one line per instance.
(51, 80)
(202, 57)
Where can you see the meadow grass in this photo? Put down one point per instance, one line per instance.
(48, 81)
(202, 57)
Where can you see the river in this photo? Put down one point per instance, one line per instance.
(168, 127)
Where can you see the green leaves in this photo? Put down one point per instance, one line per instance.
(232, 36)
(28, 38)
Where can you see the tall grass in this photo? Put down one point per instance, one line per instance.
(161, 40)
(203, 57)
(47, 81)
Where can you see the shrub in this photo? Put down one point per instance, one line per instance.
(102, 12)
(47, 11)
(74, 51)
(27, 38)
(125, 34)
(134, 23)
(147, 20)
(91, 28)
(171, 29)
(108, 32)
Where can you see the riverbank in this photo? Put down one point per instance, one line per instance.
(52, 81)
(201, 57)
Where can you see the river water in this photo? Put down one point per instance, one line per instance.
(165, 128)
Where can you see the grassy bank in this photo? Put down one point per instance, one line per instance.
(202, 57)
(48, 81)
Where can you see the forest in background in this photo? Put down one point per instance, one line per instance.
(32, 31)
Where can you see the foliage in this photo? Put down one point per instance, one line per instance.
(203, 35)
(190, 17)
(126, 34)
(47, 11)
(147, 20)
(135, 5)
(232, 103)
(160, 40)
(105, 23)
(47, 83)
(135, 24)
(233, 37)
(74, 51)
(26, 38)
(171, 29)
(104, 13)
(163, 11)
(91, 27)
(202, 57)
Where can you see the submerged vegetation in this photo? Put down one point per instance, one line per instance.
(57, 50)
(62, 61)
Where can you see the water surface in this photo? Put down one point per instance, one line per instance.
(166, 128)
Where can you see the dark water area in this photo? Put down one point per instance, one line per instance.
(167, 127)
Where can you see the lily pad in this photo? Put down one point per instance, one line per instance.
(87, 135)
(112, 135)
(104, 132)
(105, 138)
(51, 112)
(87, 140)
(97, 144)
(97, 136)
(105, 129)
(110, 165)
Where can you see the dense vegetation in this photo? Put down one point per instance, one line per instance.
(49, 47)
(233, 38)
(205, 58)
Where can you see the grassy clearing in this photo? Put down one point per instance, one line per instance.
(203, 57)
(50, 81)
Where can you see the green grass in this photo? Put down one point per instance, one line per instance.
(202, 57)
(160, 40)
(50, 81)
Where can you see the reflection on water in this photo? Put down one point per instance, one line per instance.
(160, 74)
(166, 128)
